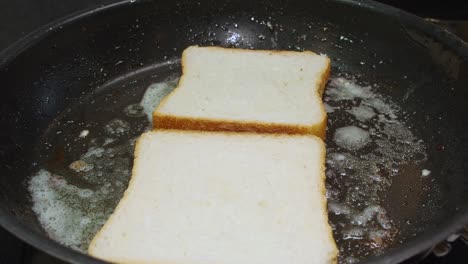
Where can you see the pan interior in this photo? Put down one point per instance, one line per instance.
(87, 152)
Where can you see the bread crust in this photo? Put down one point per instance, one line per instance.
(165, 121)
(161, 121)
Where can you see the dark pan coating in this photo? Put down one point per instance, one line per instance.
(421, 67)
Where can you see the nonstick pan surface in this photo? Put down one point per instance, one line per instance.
(83, 72)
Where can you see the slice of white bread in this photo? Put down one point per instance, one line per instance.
(223, 89)
(224, 198)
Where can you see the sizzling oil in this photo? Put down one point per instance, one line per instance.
(368, 144)
(73, 196)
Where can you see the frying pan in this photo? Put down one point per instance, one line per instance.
(50, 79)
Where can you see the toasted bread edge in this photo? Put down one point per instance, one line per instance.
(166, 121)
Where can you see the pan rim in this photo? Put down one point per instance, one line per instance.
(411, 247)
(7, 220)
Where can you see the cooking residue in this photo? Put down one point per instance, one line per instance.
(154, 95)
(72, 214)
(367, 143)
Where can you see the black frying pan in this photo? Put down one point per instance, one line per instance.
(80, 72)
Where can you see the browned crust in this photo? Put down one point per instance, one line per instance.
(186, 123)
(166, 121)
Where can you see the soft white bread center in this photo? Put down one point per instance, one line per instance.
(202, 198)
(242, 85)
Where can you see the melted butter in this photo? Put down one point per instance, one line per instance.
(367, 142)
(72, 213)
